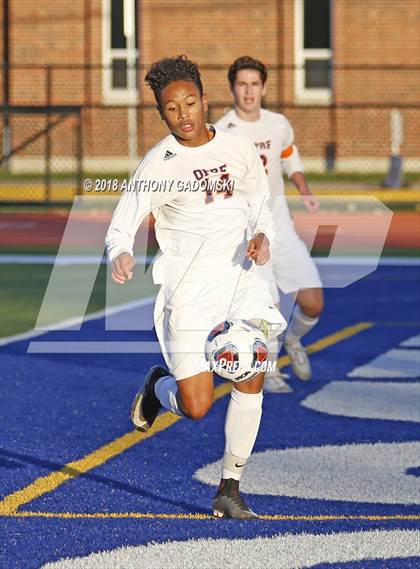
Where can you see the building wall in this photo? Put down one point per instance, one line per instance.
(211, 32)
(378, 32)
(60, 33)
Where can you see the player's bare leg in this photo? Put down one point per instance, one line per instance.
(310, 304)
(311, 301)
(241, 427)
(195, 395)
(254, 385)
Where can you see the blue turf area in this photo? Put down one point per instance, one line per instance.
(58, 408)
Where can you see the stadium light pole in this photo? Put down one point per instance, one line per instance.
(6, 84)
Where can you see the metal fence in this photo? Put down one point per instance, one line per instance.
(60, 123)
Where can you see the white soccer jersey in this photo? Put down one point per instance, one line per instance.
(201, 234)
(273, 137)
(290, 267)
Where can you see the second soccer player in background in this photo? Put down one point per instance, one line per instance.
(291, 268)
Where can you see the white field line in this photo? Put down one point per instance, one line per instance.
(362, 261)
(60, 260)
(78, 320)
(67, 260)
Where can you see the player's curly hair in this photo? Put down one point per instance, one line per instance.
(165, 71)
(246, 62)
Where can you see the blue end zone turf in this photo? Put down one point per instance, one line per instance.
(343, 464)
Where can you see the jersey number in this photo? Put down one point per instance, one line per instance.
(264, 161)
(218, 186)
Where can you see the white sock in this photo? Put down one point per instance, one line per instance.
(241, 427)
(300, 325)
(166, 391)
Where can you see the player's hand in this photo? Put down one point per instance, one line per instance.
(311, 202)
(122, 268)
(259, 249)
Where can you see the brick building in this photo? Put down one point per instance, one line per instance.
(337, 69)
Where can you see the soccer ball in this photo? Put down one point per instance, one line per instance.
(237, 350)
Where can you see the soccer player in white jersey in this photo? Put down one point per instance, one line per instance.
(206, 267)
(291, 268)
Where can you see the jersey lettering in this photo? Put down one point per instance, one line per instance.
(202, 173)
(265, 145)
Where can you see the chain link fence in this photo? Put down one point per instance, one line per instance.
(62, 124)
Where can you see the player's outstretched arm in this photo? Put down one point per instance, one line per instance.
(292, 166)
(122, 268)
(310, 201)
(259, 249)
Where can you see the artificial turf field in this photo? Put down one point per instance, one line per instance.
(334, 474)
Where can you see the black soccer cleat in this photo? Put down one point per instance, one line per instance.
(228, 503)
(146, 405)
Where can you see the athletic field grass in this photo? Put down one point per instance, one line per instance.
(333, 475)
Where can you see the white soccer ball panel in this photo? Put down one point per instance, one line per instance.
(236, 350)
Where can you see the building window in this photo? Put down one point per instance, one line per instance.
(313, 53)
(120, 51)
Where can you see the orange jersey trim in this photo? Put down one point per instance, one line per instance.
(287, 152)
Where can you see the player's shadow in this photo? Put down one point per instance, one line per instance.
(10, 464)
(6, 456)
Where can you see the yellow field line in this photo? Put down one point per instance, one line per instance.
(50, 482)
(36, 192)
(98, 457)
(330, 340)
(357, 193)
(150, 516)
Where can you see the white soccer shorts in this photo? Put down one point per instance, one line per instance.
(291, 267)
(185, 314)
